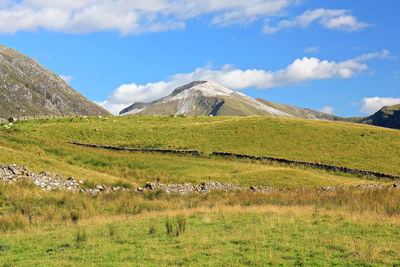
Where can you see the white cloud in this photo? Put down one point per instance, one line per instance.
(327, 109)
(301, 70)
(66, 78)
(373, 104)
(334, 19)
(312, 49)
(137, 16)
(129, 16)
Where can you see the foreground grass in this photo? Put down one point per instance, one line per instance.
(338, 143)
(240, 236)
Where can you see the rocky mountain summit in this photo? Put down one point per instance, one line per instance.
(27, 88)
(207, 98)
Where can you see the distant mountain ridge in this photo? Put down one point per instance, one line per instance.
(388, 116)
(27, 88)
(205, 98)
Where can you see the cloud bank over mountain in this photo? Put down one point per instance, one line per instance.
(301, 70)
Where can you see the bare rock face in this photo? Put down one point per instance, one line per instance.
(27, 88)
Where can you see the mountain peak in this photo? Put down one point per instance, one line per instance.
(27, 88)
(205, 88)
(203, 98)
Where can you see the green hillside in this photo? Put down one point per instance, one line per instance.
(337, 143)
(296, 225)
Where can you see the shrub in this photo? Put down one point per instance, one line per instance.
(182, 222)
(111, 230)
(168, 226)
(81, 236)
(152, 229)
(74, 216)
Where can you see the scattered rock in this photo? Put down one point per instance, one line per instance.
(12, 120)
(262, 188)
(14, 173)
(4, 247)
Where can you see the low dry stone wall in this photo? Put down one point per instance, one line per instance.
(244, 156)
(15, 173)
(164, 151)
(310, 164)
(38, 117)
(203, 188)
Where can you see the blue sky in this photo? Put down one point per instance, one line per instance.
(334, 55)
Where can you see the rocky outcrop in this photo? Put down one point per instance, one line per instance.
(27, 88)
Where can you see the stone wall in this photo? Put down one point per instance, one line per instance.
(164, 151)
(44, 116)
(244, 156)
(311, 165)
(15, 173)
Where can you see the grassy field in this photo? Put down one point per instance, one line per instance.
(290, 228)
(345, 228)
(337, 143)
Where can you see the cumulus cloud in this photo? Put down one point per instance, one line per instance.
(301, 70)
(327, 109)
(136, 16)
(129, 16)
(334, 19)
(371, 105)
(66, 78)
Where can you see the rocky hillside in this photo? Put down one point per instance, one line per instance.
(204, 98)
(388, 117)
(27, 88)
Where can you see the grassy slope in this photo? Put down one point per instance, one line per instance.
(40, 145)
(109, 167)
(288, 228)
(339, 143)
